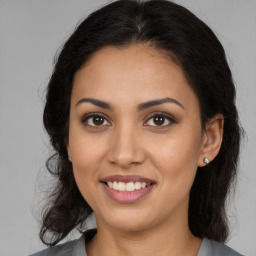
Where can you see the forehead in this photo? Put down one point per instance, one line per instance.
(135, 72)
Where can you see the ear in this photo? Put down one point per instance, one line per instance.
(212, 139)
(68, 150)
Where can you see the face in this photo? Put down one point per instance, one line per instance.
(134, 122)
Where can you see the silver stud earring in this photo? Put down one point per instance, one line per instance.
(206, 160)
(70, 158)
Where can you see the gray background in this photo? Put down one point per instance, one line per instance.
(30, 33)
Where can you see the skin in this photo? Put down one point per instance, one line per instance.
(130, 142)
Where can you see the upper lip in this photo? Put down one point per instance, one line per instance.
(127, 178)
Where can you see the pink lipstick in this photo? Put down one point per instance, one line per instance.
(127, 189)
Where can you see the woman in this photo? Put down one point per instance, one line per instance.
(140, 111)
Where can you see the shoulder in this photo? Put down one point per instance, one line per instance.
(213, 248)
(71, 248)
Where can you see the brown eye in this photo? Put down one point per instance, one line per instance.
(98, 120)
(95, 120)
(160, 120)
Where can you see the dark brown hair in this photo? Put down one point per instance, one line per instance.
(176, 31)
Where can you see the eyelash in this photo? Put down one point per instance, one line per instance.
(161, 114)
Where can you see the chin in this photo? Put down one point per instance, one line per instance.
(127, 226)
(128, 220)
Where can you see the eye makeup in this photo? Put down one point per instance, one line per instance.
(98, 120)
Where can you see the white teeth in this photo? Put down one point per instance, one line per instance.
(115, 185)
(130, 186)
(137, 185)
(110, 184)
(121, 186)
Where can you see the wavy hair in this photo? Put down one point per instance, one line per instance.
(173, 29)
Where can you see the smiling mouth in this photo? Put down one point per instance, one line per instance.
(130, 186)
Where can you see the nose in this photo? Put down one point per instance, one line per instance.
(126, 148)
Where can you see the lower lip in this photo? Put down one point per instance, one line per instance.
(127, 196)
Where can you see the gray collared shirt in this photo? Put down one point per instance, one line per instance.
(77, 248)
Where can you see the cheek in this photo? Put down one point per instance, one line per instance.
(86, 150)
(85, 168)
(176, 158)
(176, 163)
(86, 154)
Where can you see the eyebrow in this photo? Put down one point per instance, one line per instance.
(140, 107)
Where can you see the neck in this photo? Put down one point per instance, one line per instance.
(161, 240)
